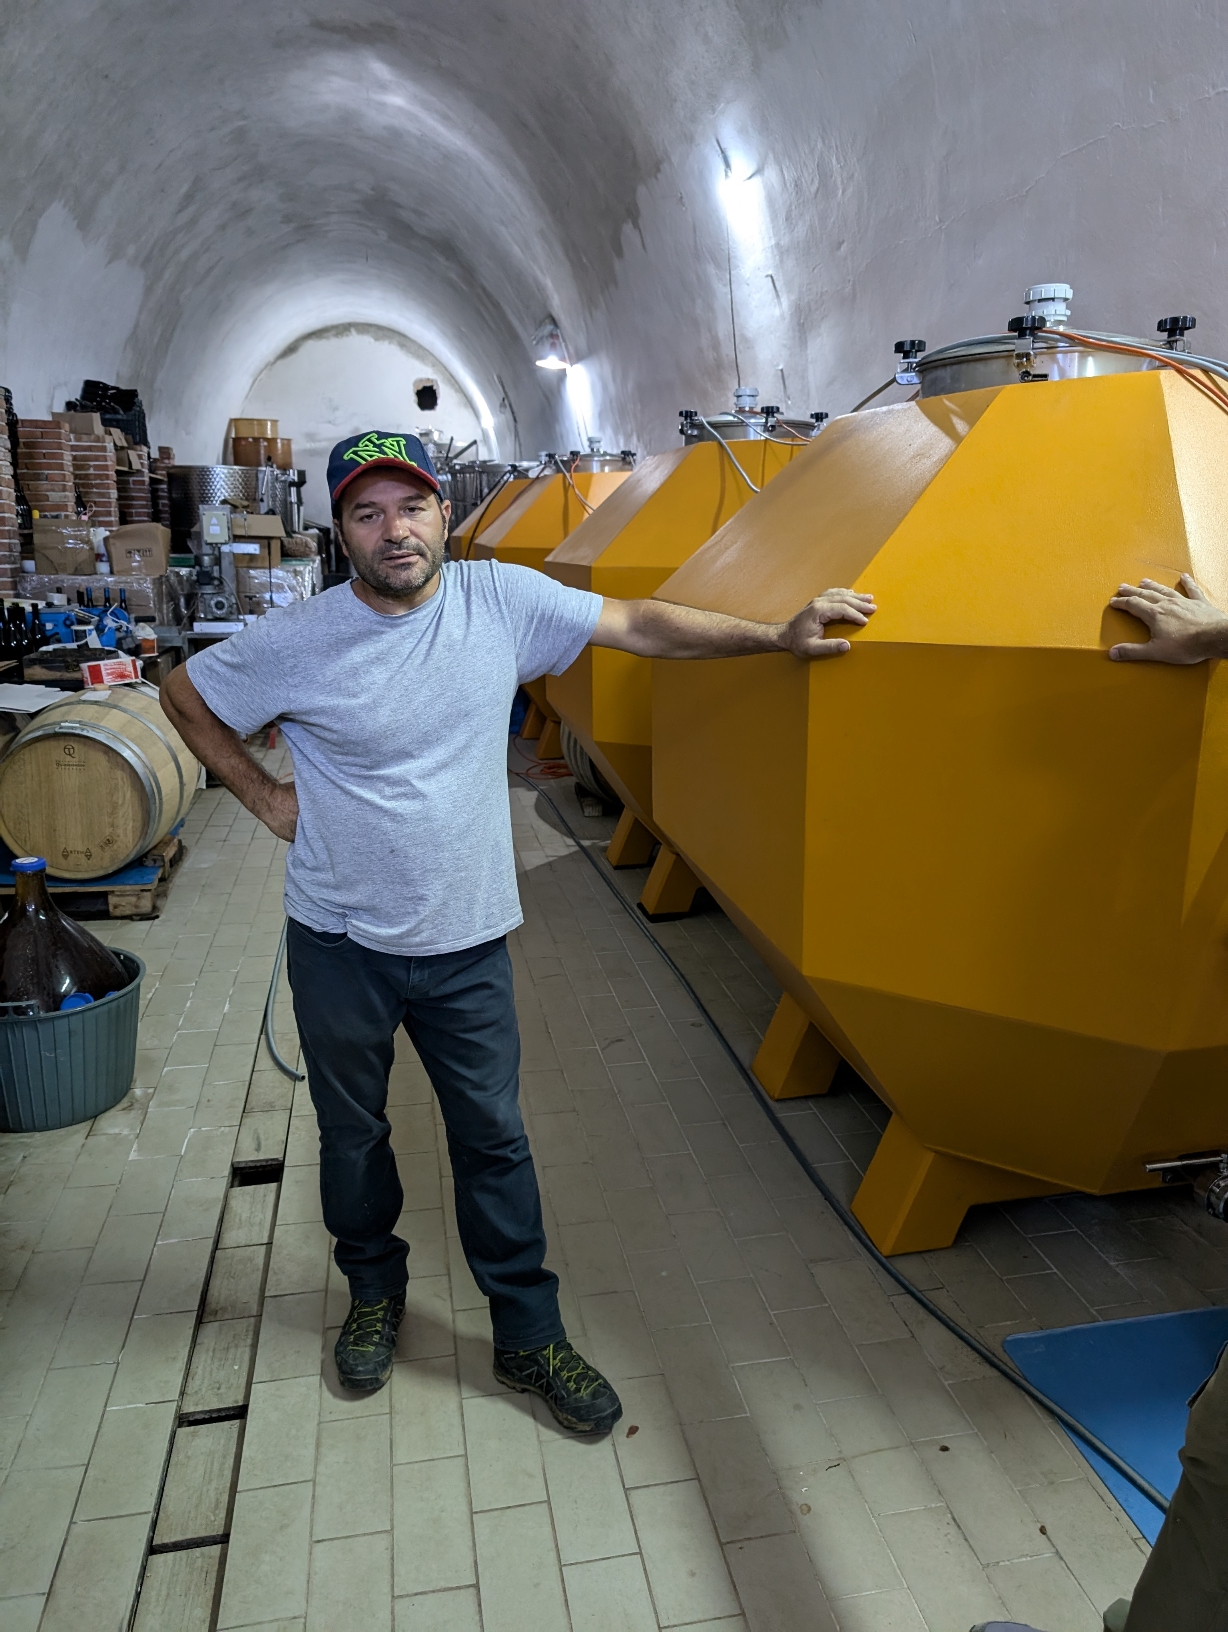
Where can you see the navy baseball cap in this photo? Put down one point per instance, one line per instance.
(376, 450)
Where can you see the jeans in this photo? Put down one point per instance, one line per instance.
(458, 1010)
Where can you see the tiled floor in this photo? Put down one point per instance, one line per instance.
(802, 1448)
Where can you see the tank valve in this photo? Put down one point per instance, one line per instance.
(908, 351)
(1209, 1174)
(1174, 330)
(1025, 329)
(1050, 301)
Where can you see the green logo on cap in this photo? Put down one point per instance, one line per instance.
(375, 446)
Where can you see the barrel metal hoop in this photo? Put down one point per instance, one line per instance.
(133, 714)
(126, 751)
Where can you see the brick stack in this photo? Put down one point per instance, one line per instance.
(44, 463)
(135, 499)
(93, 468)
(159, 491)
(10, 547)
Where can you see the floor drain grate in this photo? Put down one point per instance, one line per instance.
(266, 1171)
(223, 1413)
(189, 1544)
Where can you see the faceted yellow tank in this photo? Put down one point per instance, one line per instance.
(536, 521)
(461, 538)
(627, 549)
(988, 865)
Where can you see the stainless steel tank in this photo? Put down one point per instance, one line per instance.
(746, 422)
(190, 486)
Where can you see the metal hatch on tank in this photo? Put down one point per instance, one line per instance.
(659, 517)
(988, 866)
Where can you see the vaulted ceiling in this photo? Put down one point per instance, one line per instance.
(187, 189)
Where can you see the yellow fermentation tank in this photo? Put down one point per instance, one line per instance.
(656, 521)
(988, 866)
(536, 521)
(462, 537)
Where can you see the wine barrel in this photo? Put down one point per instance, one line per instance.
(94, 781)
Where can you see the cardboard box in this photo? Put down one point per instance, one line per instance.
(141, 549)
(63, 547)
(255, 552)
(81, 424)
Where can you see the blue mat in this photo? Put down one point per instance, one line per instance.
(1128, 1381)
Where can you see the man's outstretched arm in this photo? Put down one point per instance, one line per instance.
(221, 751)
(1185, 626)
(661, 629)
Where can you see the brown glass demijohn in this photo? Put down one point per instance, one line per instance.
(47, 961)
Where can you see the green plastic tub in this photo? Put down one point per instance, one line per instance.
(67, 1067)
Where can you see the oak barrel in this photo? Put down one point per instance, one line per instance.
(95, 781)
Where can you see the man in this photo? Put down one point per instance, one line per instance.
(1184, 1584)
(394, 691)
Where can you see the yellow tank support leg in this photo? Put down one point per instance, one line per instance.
(914, 1200)
(548, 743)
(794, 1057)
(531, 726)
(671, 886)
(632, 843)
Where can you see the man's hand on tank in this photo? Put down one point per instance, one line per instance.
(806, 634)
(1185, 626)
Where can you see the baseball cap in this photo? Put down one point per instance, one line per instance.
(374, 450)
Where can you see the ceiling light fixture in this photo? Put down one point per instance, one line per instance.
(549, 350)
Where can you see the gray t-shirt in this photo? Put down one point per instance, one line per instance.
(398, 731)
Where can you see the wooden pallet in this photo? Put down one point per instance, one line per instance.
(138, 891)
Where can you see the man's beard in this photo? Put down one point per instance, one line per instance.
(401, 588)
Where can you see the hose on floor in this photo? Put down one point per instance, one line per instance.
(270, 1041)
(1071, 1424)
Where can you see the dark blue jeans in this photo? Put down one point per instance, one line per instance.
(460, 1015)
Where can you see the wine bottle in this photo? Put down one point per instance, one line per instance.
(48, 961)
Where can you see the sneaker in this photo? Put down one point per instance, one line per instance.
(368, 1341)
(576, 1392)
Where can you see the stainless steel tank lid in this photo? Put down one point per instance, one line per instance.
(990, 359)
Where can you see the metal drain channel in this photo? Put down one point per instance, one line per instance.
(202, 1461)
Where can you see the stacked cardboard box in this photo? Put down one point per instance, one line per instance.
(10, 551)
(132, 480)
(44, 463)
(149, 598)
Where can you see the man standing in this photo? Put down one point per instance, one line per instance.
(394, 692)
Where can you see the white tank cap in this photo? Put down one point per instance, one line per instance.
(1050, 301)
(745, 398)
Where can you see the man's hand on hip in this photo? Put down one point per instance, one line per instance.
(1185, 626)
(280, 815)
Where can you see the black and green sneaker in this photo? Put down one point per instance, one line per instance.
(576, 1392)
(368, 1342)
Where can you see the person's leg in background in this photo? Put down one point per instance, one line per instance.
(348, 1003)
(462, 1020)
(1184, 1584)
(1185, 1580)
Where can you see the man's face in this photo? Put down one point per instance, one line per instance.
(393, 530)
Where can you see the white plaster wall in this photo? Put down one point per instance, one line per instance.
(350, 379)
(187, 190)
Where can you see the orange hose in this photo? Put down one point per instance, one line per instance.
(1198, 378)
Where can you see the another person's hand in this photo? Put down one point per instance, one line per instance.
(1185, 626)
(806, 634)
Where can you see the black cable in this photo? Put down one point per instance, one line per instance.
(1071, 1424)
